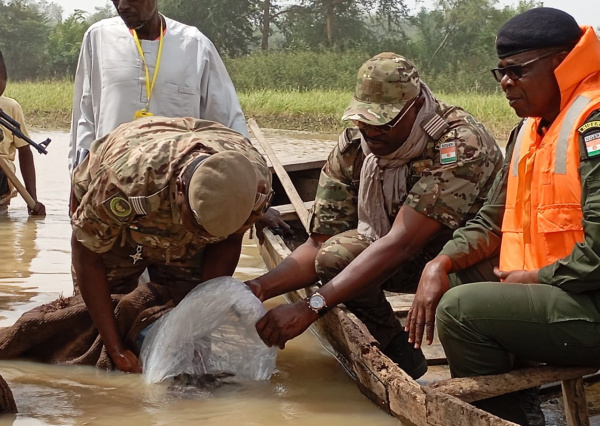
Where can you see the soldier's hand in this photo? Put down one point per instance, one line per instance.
(127, 362)
(518, 277)
(256, 289)
(38, 210)
(270, 219)
(285, 322)
(433, 284)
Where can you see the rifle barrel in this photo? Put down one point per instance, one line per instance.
(14, 127)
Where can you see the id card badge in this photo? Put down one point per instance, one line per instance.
(141, 114)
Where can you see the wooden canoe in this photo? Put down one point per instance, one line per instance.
(435, 399)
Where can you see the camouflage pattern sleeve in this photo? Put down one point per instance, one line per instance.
(466, 161)
(99, 221)
(481, 237)
(335, 207)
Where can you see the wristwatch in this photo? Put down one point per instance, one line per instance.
(316, 302)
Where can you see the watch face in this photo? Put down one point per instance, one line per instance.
(316, 301)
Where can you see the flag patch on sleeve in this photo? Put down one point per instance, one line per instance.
(448, 153)
(592, 144)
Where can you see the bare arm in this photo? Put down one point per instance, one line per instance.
(409, 234)
(91, 277)
(220, 259)
(28, 171)
(295, 272)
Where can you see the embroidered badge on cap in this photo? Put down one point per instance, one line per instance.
(448, 153)
(119, 207)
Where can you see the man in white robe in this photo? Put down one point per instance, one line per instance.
(113, 77)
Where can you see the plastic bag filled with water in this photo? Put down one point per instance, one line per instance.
(211, 333)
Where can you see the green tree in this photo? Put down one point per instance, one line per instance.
(342, 19)
(230, 24)
(24, 29)
(454, 42)
(104, 12)
(64, 44)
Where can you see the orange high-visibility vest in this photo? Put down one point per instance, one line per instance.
(543, 217)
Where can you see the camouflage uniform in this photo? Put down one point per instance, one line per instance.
(451, 192)
(384, 84)
(126, 190)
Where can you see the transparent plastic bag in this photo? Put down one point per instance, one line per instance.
(211, 333)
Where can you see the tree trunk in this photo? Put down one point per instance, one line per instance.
(330, 16)
(266, 25)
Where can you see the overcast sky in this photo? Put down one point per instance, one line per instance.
(586, 12)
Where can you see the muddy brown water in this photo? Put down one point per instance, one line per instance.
(309, 388)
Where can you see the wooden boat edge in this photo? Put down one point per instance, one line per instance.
(377, 377)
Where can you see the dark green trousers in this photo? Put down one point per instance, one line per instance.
(484, 325)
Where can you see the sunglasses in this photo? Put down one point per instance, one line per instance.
(386, 128)
(515, 71)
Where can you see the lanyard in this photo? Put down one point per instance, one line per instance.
(149, 87)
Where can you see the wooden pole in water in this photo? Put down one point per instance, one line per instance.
(288, 186)
(17, 183)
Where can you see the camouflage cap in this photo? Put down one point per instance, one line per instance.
(222, 191)
(385, 83)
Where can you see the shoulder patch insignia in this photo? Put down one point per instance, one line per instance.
(589, 126)
(347, 138)
(448, 153)
(592, 144)
(452, 134)
(119, 207)
(434, 126)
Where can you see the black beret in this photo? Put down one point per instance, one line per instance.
(535, 29)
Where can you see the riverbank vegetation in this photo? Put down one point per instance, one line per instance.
(47, 104)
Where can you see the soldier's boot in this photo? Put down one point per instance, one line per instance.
(409, 359)
(532, 405)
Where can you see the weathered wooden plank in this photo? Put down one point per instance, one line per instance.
(443, 410)
(401, 302)
(288, 212)
(471, 389)
(575, 403)
(273, 250)
(434, 353)
(284, 178)
(299, 164)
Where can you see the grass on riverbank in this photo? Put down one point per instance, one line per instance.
(47, 104)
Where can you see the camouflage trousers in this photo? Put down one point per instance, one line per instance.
(371, 307)
(123, 273)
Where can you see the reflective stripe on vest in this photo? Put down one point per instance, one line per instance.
(542, 220)
(517, 148)
(560, 166)
(575, 110)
